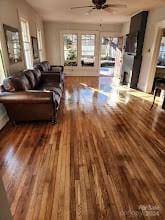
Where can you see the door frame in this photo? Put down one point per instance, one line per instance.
(112, 35)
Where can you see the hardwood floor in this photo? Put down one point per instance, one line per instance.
(105, 159)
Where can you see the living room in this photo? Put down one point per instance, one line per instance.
(82, 99)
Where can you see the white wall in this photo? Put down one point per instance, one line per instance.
(52, 36)
(156, 21)
(9, 10)
(126, 28)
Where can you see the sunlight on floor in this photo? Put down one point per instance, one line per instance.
(116, 88)
(140, 94)
(109, 71)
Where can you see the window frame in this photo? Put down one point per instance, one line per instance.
(65, 50)
(3, 76)
(40, 43)
(161, 50)
(83, 50)
(79, 33)
(27, 42)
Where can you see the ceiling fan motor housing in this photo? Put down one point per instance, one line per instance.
(99, 2)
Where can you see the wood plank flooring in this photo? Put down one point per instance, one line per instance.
(105, 159)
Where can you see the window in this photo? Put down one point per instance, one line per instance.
(78, 49)
(70, 49)
(88, 50)
(40, 48)
(161, 58)
(26, 44)
(2, 71)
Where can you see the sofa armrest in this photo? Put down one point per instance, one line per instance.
(29, 96)
(58, 68)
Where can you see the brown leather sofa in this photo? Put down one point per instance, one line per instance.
(58, 70)
(31, 95)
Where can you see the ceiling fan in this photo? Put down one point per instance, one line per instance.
(101, 5)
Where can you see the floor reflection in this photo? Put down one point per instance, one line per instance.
(88, 93)
(98, 90)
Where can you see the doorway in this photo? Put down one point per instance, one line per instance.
(111, 56)
(160, 64)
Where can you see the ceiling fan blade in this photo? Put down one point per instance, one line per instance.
(116, 6)
(90, 11)
(88, 6)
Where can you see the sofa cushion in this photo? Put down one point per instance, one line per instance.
(30, 76)
(37, 75)
(16, 83)
(44, 66)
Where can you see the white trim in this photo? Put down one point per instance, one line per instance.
(3, 120)
(81, 73)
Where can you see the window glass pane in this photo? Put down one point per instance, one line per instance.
(108, 51)
(88, 50)
(25, 32)
(161, 58)
(2, 73)
(70, 49)
(26, 44)
(39, 38)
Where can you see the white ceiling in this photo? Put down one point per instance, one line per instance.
(59, 10)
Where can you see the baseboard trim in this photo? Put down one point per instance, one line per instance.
(80, 75)
(141, 87)
(3, 120)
